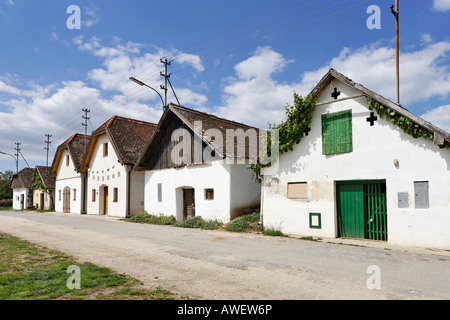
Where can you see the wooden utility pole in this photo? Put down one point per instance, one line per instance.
(47, 142)
(85, 118)
(166, 77)
(17, 155)
(397, 44)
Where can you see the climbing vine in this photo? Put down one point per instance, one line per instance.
(409, 127)
(291, 130)
(37, 183)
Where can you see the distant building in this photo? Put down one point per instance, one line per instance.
(69, 180)
(43, 198)
(22, 194)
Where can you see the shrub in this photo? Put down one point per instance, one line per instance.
(273, 232)
(6, 203)
(199, 223)
(242, 223)
(144, 217)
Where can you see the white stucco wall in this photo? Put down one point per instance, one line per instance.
(107, 171)
(37, 199)
(245, 192)
(67, 176)
(199, 177)
(18, 204)
(374, 150)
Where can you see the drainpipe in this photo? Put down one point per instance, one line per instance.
(83, 194)
(127, 215)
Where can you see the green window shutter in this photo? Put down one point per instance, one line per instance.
(337, 132)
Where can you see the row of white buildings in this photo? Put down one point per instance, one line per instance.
(353, 174)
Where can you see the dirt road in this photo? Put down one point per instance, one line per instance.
(222, 265)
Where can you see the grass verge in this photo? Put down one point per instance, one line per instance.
(245, 223)
(195, 222)
(30, 272)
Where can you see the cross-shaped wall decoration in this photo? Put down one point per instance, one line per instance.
(372, 118)
(307, 130)
(335, 93)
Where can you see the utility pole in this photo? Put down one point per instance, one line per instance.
(166, 77)
(397, 42)
(17, 155)
(86, 118)
(47, 142)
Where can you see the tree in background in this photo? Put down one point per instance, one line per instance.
(5, 185)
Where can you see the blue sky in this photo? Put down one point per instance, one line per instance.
(238, 59)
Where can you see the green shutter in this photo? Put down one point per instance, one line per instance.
(337, 132)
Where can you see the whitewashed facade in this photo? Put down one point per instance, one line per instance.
(306, 195)
(212, 189)
(69, 180)
(22, 194)
(112, 187)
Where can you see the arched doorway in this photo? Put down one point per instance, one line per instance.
(66, 200)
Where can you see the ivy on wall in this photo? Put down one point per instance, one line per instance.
(409, 127)
(37, 183)
(291, 130)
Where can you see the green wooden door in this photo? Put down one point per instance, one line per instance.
(350, 199)
(362, 209)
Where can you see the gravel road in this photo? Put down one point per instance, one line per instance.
(219, 265)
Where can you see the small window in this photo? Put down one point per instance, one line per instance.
(209, 194)
(337, 132)
(74, 194)
(297, 190)
(93, 195)
(105, 149)
(159, 192)
(59, 195)
(115, 194)
(67, 161)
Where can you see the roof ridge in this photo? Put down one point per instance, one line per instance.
(212, 115)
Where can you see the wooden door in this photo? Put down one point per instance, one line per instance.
(41, 201)
(66, 200)
(188, 203)
(105, 200)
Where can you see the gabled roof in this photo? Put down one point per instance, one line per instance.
(22, 179)
(128, 137)
(441, 138)
(44, 172)
(208, 121)
(75, 146)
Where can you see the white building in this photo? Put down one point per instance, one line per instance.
(183, 179)
(43, 198)
(357, 174)
(69, 180)
(20, 184)
(112, 187)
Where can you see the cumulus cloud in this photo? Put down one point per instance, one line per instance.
(254, 97)
(441, 5)
(439, 116)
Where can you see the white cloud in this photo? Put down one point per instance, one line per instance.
(10, 3)
(90, 17)
(422, 73)
(441, 5)
(439, 116)
(253, 97)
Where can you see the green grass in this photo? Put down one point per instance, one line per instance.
(273, 232)
(195, 222)
(6, 208)
(199, 223)
(144, 217)
(30, 272)
(244, 223)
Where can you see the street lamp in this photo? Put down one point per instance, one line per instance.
(8, 154)
(143, 84)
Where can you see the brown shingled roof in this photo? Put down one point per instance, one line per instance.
(44, 173)
(75, 145)
(128, 137)
(22, 179)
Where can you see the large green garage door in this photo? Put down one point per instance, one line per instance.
(362, 209)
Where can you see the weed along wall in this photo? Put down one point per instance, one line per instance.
(412, 177)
